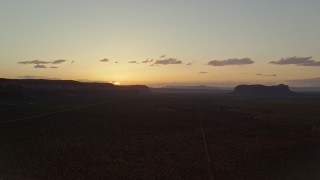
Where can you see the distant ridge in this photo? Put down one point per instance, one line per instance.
(24, 87)
(261, 90)
(192, 87)
(305, 89)
(201, 89)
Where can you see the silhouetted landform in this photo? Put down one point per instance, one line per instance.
(133, 88)
(261, 90)
(22, 87)
(190, 89)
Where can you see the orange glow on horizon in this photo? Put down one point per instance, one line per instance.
(116, 83)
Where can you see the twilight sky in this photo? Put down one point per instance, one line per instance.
(153, 42)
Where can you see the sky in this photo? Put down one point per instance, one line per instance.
(167, 42)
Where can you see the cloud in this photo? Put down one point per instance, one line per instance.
(133, 62)
(36, 77)
(37, 62)
(147, 61)
(34, 62)
(104, 60)
(270, 75)
(32, 77)
(59, 61)
(54, 67)
(40, 66)
(229, 62)
(190, 63)
(168, 61)
(298, 61)
(162, 56)
(203, 72)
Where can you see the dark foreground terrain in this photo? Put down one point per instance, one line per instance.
(159, 136)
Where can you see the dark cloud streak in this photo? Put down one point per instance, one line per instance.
(133, 62)
(298, 61)
(168, 61)
(190, 63)
(59, 61)
(229, 62)
(32, 77)
(104, 60)
(147, 61)
(37, 62)
(40, 66)
(268, 75)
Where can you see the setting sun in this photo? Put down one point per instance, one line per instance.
(116, 83)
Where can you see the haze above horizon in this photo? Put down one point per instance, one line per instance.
(179, 42)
